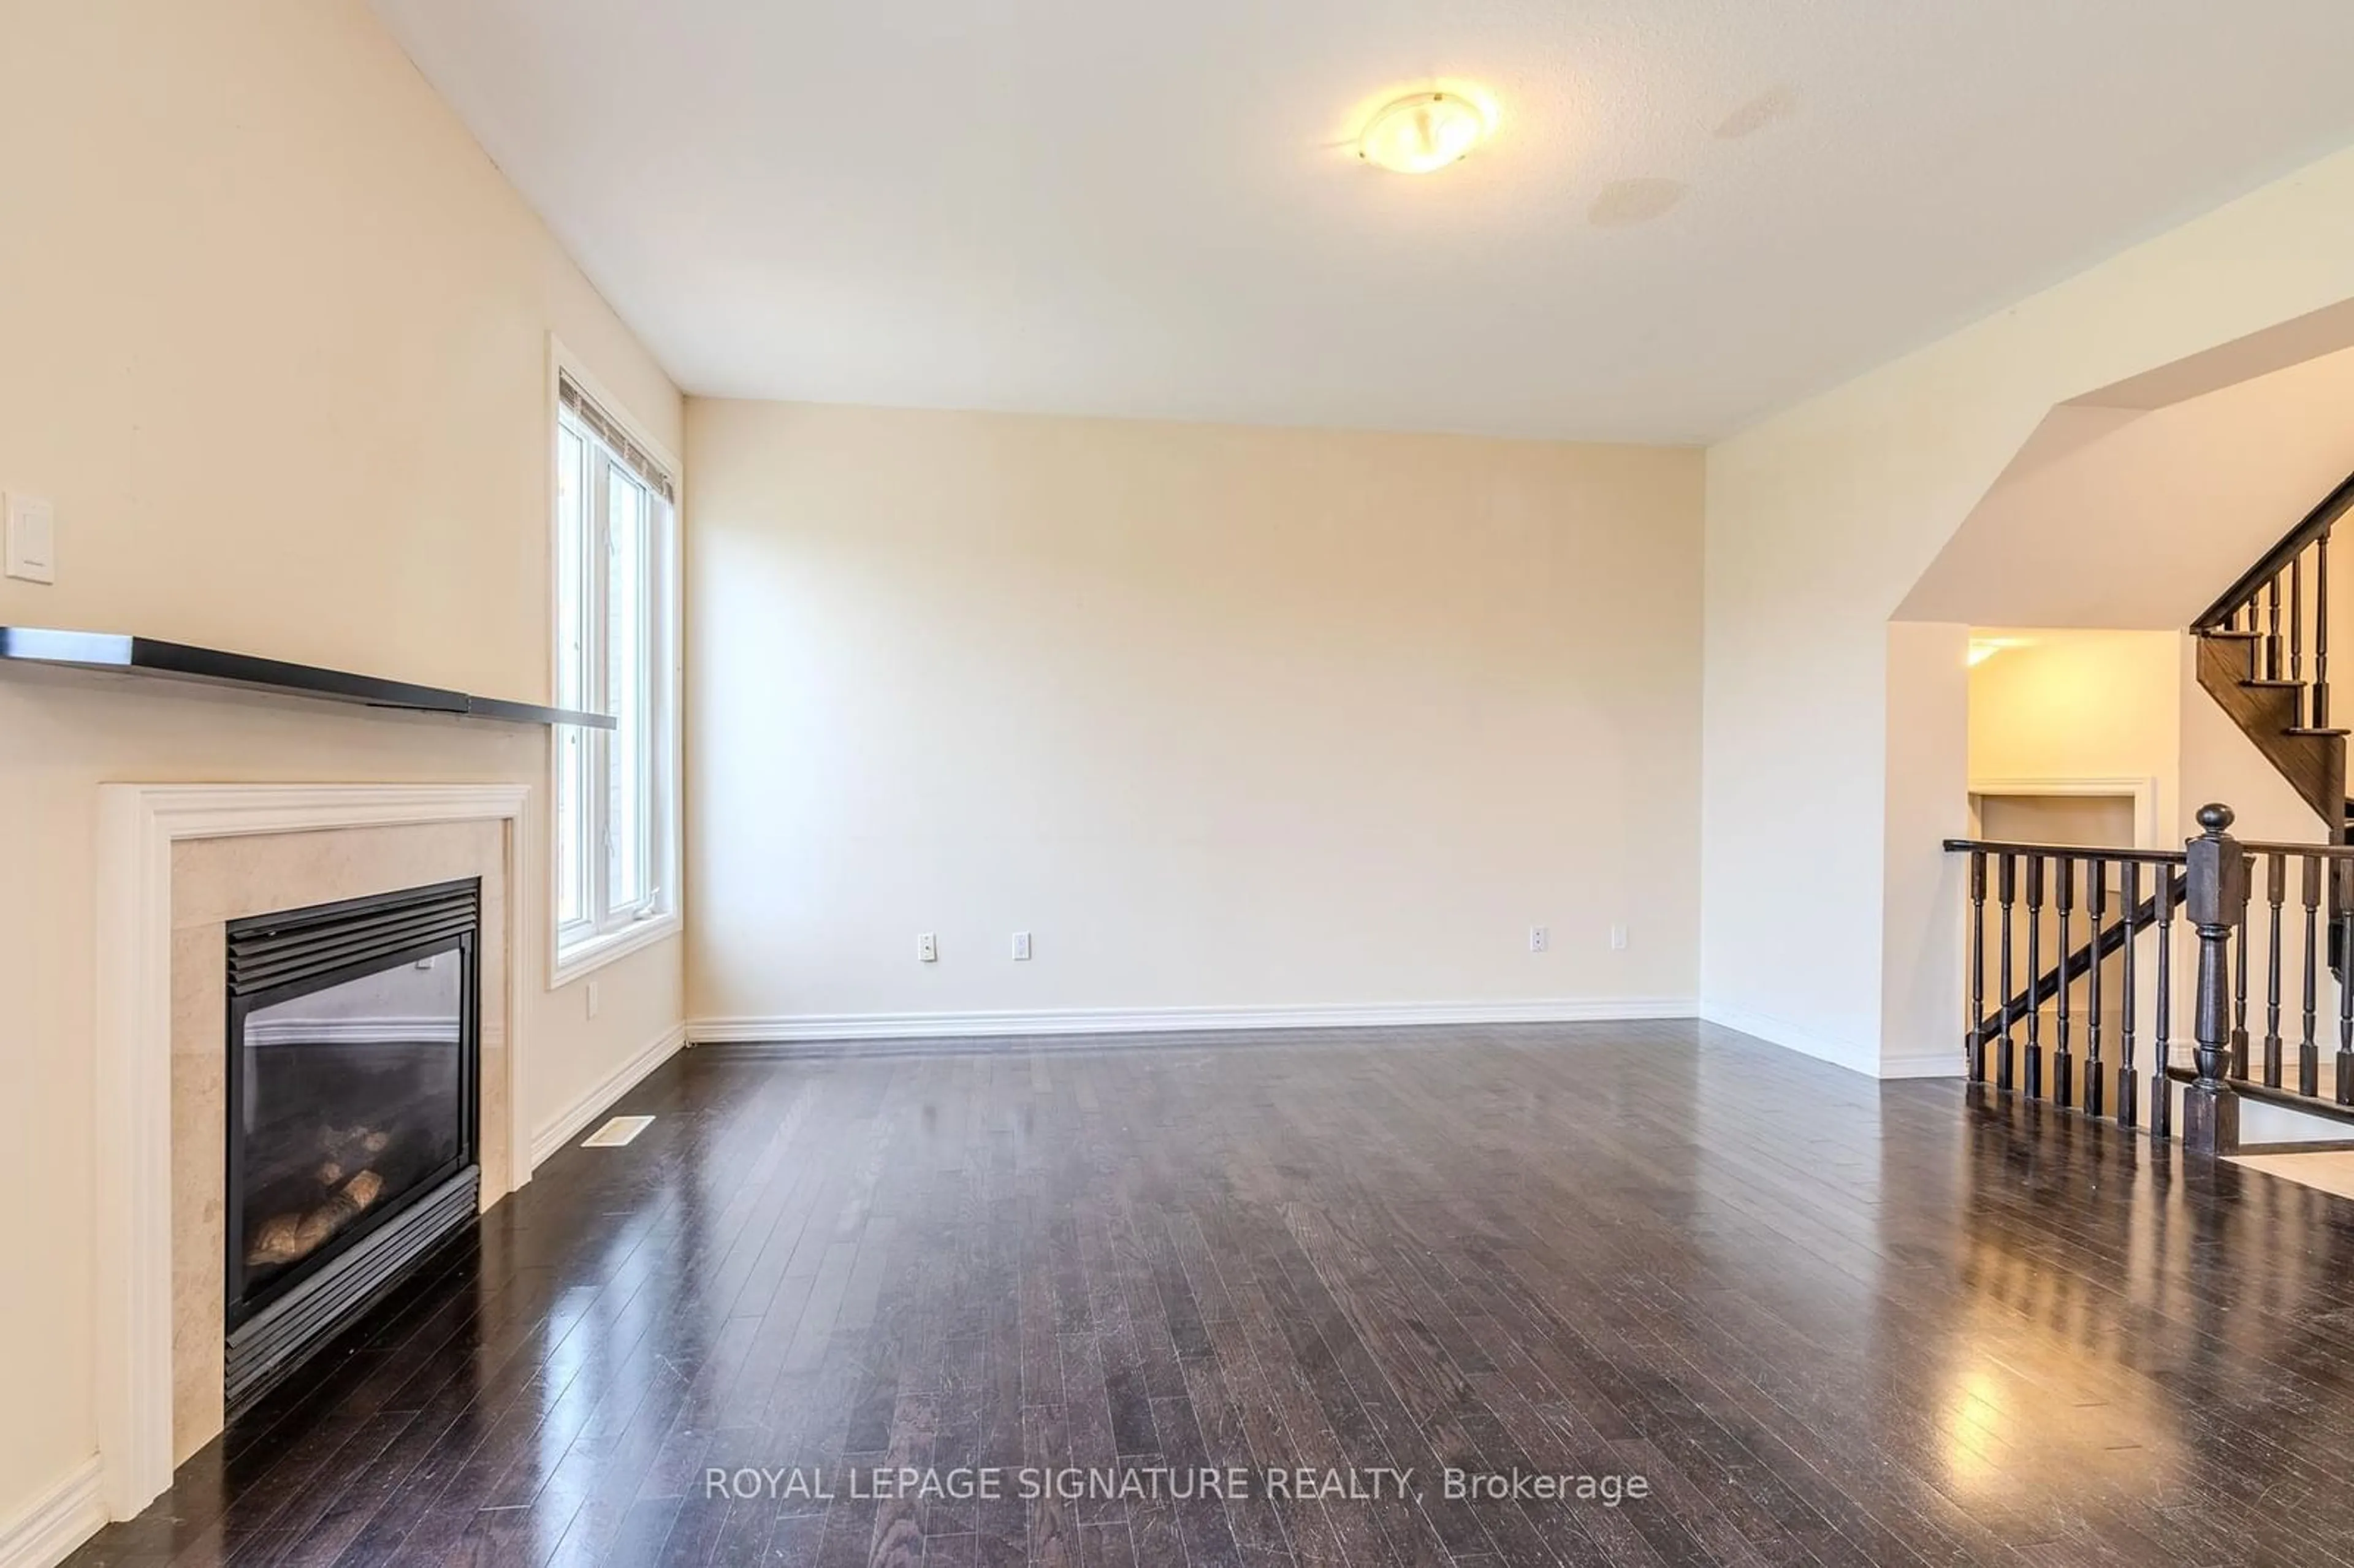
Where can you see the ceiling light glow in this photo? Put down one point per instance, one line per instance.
(1422, 133)
(1984, 647)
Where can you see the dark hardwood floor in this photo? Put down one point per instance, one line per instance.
(1826, 1320)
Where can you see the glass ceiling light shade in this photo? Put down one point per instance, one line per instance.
(1422, 133)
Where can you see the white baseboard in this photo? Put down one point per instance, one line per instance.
(839, 1026)
(1937, 1065)
(601, 1095)
(46, 1533)
(1856, 1059)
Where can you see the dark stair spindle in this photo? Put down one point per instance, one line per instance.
(2007, 890)
(2034, 966)
(2343, 872)
(2296, 626)
(2275, 889)
(2063, 1065)
(2239, 1065)
(2128, 1082)
(2096, 903)
(1976, 1046)
(2161, 1091)
(2321, 632)
(2308, 1049)
(2273, 633)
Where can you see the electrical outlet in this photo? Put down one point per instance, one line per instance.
(927, 948)
(596, 998)
(1617, 938)
(1539, 939)
(1020, 947)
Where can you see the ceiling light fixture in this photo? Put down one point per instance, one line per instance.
(1422, 133)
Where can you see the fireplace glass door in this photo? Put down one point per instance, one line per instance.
(352, 1096)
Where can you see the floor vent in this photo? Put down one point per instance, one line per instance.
(616, 1132)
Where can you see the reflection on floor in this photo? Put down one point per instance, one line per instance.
(1827, 1320)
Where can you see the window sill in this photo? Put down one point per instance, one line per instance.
(587, 957)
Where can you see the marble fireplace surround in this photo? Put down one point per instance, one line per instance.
(176, 863)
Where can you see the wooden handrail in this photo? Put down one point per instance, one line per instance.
(2078, 851)
(2318, 852)
(2293, 544)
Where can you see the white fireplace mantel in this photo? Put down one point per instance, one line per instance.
(138, 825)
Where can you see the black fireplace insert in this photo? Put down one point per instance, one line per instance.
(353, 1090)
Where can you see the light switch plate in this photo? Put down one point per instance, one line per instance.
(32, 530)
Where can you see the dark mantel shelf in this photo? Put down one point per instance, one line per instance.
(178, 660)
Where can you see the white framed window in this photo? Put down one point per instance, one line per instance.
(616, 827)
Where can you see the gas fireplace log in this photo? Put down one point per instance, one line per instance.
(350, 1146)
(290, 1238)
(275, 1241)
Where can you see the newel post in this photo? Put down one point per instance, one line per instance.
(2216, 900)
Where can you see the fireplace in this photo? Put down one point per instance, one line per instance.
(353, 1085)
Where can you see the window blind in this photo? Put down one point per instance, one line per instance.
(610, 431)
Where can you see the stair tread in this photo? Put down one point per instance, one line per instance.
(2275, 685)
(2304, 729)
(2312, 1105)
(2226, 631)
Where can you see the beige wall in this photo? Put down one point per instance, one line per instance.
(2083, 705)
(1819, 870)
(273, 338)
(1928, 703)
(2125, 704)
(1226, 718)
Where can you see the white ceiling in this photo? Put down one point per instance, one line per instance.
(1693, 211)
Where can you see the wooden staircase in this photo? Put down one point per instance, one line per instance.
(2272, 713)
(2264, 656)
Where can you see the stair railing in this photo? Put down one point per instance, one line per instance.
(2022, 893)
(2317, 882)
(2270, 606)
(2143, 907)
